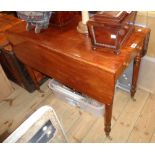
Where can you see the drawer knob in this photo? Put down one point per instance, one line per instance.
(126, 64)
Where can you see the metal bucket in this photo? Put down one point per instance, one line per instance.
(37, 19)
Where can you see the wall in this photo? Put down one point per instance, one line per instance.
(148, 18)
(147, 71)
(5, 86)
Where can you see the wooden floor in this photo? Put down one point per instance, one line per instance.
(132, 121)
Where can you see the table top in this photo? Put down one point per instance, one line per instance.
(66, 55)
(6, 22)
(68, 41)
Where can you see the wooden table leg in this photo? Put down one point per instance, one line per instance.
(136, 67)
(31, 73)
(107, 119)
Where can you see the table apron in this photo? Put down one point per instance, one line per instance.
(79, 75)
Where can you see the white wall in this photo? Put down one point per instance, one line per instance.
(147, 71)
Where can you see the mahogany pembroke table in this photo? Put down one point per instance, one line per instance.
(66, 55)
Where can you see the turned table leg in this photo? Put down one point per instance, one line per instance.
(136, 67)
(107, 119)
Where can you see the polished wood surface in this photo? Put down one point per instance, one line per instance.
(7, 21)
(115, 26)
(62, 18)
(68, 44)
(67, 56)
(82, 76)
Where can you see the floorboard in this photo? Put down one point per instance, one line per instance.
(132, 121)
(145, 125)
(124, 125)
